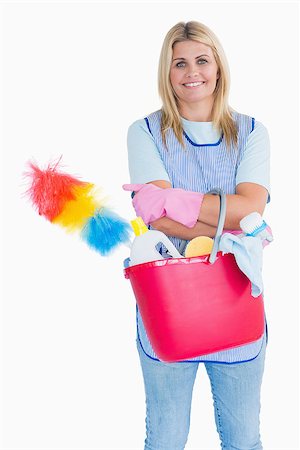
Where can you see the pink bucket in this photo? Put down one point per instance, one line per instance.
(190, 307)
(196, 306)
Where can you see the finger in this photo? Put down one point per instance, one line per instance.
(132, 187)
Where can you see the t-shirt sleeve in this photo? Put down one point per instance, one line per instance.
(144, 161)
(254, 166)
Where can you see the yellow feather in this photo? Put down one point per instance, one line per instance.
(76, 212)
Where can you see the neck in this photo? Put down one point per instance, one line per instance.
(196, 112)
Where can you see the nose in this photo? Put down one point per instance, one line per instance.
(192, 73)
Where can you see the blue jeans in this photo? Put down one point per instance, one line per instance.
(236, 394)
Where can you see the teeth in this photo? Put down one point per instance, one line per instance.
(194, 84)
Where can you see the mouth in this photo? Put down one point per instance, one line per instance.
(194, 84)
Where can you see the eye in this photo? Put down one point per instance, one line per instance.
(202, 61)
(180, 64)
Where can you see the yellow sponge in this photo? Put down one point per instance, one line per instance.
(201, 245)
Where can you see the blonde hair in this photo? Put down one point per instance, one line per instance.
(221, 112)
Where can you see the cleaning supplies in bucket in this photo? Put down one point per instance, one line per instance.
(247, 248)
(199, 246)
(254, 225)
(143, 248)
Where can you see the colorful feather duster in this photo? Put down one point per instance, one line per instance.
(76, 206)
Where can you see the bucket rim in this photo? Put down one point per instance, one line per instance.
(204, 259)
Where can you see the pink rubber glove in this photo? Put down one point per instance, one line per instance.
(151, 203)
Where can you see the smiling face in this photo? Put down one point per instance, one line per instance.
(193, 75)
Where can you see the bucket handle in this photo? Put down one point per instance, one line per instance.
(220, 226)
(221, 221)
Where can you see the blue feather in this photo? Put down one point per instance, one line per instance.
(105, 231)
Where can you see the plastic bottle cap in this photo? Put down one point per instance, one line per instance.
(138, 226)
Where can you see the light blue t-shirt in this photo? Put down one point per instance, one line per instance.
(145, 163)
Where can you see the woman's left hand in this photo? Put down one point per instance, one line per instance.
(151, 203)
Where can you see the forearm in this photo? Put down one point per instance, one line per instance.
(187, 207)
(176, 229)
(237, 207)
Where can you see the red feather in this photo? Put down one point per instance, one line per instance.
(50, 189)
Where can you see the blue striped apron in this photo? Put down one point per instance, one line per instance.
(201, 167)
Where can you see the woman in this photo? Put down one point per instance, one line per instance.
(197, 142)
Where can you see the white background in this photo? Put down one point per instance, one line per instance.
(76, 75)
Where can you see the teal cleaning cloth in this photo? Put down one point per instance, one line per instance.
(248, 253)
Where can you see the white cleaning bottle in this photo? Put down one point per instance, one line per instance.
(143, 248)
